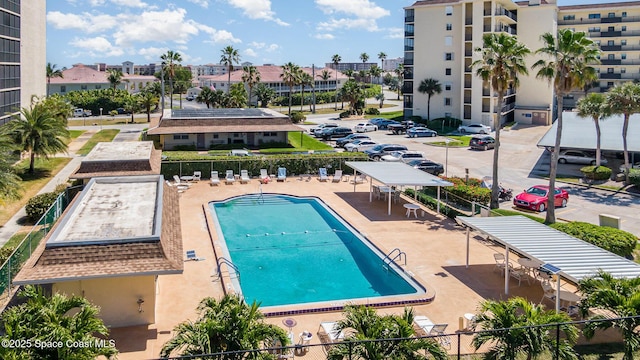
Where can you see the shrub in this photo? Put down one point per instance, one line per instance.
(617, 241)
(345, 114)
(634, 177)
(469, 190)
(5, 252)
(184, 148)
(372, 111)
(596, 172)
(38, 205)
(297, 116)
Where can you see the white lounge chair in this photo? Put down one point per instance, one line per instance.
(337, 177)
(215, 179)
(328, 331)
(177, 181)
(197, 175)
(359, 179)
(180, 188)
(282, 174)
(264, 176)
(244, 177)
(424, 324)
(322, 174)
(438, 331)
(229, 178)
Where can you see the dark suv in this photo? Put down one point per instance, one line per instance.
(337, 132)
(378, 151)
(482, 142)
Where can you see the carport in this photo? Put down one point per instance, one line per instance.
(395, 174)
(563, 255)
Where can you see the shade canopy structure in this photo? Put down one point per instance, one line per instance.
(573, 258)
(395, 174)
(580, 133)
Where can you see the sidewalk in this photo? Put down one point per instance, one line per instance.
(14, 225)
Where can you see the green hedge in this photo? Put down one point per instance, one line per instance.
(634, 177)
(469, 190)
(295, 164)
(372, 111)
(38, 205)
(432, 204)
(614, 240)
(596, 172)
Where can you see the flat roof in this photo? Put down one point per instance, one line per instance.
(120, 151)
(580, 133)
(224, 113)
(396, 173)
(112, 209)
(576, 259)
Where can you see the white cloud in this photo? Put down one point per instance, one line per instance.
(250, 52)
(395, 33)
(97, 46)
(265, 46)
(357, 8)
(152, 53)
(337, 24)
(325, 36)
(85, 22)
(257, 9)
(203, 3)
(127, 3)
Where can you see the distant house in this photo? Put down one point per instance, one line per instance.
(110, 246)
(82, 78)
(119, 159)
(205, 128)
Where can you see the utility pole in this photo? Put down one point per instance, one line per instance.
(313, 88)
(162, 85)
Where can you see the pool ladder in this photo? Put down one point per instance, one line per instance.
(223, 260)
(397, 254)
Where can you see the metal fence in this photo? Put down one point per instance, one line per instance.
(459, 345)
(29, 243)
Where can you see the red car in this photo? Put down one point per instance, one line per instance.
(535, 198)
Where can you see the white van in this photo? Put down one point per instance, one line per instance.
(81, 112)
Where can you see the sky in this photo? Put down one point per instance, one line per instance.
(304, 32)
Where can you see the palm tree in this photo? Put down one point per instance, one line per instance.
(618, 296)
(512, 329)
(350, 74)
(380, 97)
(368, 325)
(148, 100)
(290, 78)
(56, 318)
(52, 72)
(567, 70)
(10, 186)
(229, 57)
(375, 72)
(170, 61)
(400, 74)
(228, 324)
(501, 62)
(264, 94)
(595, 106)
(237, 97)
(325, 75)
(251, 77)
(353, 93)
(625, 100)
(304, 79)
(430, 87)
(335, 59)
(114, 78)
(132, 105)
(382, 56)
(38, 132)
(364, 57)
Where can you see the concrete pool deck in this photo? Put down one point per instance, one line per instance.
(435, 248)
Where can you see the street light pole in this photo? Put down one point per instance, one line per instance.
(446, 157)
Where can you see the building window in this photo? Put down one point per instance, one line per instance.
(447, 86)
(447, 101)
(98, 86)
(63, 88)
(180, 136)
(624, 28)
(269, 134)
(448, 10)
(611, 56)
(594, 16)
(594, 29)
(610, 43)
(447, 71)
(609, 83)
(83, 87)
(408, 44)
(624, 14)
(623, 42)
(609, 70)
(216, 136)
(236, 135)
(449, 27)
(611, 15)
(569, 17)
(448, 40)
(448, 56)
(623, 70)
(623, 56)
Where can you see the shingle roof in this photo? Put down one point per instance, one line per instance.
(47, 265)
(81, 74)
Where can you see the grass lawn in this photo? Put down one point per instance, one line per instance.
(108, 120)
(458, 141)
(31, 183)
(74, 134)
(101, 136)
(505, 212)
(305, 142)
(395, 115)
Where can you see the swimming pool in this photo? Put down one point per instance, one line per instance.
(291, 250)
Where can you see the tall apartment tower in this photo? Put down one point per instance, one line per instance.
(22, 54)
(440, 41)
(616, 28)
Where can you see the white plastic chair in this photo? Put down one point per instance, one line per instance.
(337, 177)
(229, 178)
(215, 179)
(282, 174)
(197, 175)
(244, 176)
(322, 173)
(500, 262)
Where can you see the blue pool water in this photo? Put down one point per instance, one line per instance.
(296, 250)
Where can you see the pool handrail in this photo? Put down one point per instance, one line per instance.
(223, 260)
(399, 255)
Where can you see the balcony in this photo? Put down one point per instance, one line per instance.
(610, 76)
(467, 99)
(504, 12)
(468, 21)
(408, 19)
(611, 33)
(467, 69)
(407, 88)
(468, 37)
(611, 47)
(487, 12)
(610, 61)
(485, 108)
(467, 84)
(610, 20)
(409, 34)
(486, 92)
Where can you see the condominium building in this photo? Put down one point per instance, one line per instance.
(441, 36)
(355, 66)
(22, 54)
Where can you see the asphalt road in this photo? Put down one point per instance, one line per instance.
(521, 165)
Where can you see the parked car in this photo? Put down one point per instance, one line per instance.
(377, 121)
(316, 131)
(360, 145)
(482, 142)
(401, 128)
(429, 166)
(535, 198)
(190, 97)
(421, 131)
(349, 138)
(335, 132)
(384, 124)
(364, 127)
(474, 129)
(403, 156)
(378, 151)
(81, 113)
(579, 157)
(633, 166)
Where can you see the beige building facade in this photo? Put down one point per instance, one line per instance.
(441, 37)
